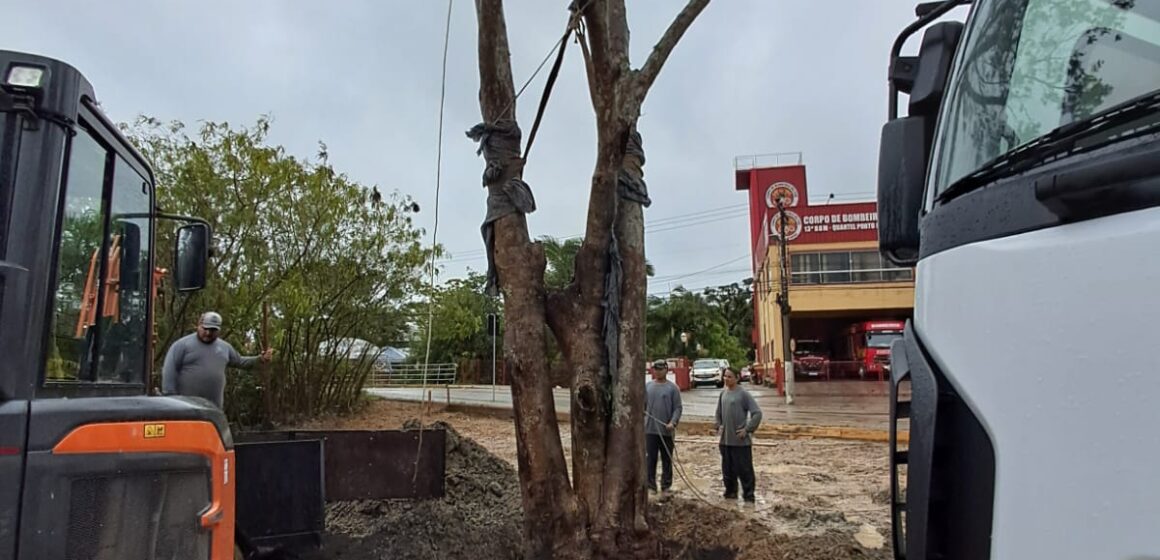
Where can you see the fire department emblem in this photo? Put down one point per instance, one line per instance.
(783, 190)
(792, 226)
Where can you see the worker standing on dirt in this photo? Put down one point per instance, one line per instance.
(196, 364)
(662, 412)
(737, 418)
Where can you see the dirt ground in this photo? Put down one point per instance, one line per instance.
(817, 499)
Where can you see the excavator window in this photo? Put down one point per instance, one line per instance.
(103, 281)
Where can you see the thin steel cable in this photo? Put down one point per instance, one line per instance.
(434, 234)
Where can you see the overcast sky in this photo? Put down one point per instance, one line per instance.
(750, 77)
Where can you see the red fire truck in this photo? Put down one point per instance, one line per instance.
(869, 346)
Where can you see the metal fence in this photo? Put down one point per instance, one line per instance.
(404, 375)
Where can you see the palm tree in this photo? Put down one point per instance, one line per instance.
(561, 257)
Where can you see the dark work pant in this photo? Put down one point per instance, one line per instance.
(662, 445)
(737, 463)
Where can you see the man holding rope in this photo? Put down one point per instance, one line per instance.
(737, 418)
(662, 410)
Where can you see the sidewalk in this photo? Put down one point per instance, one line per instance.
(859, 416)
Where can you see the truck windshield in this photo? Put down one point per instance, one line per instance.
(1028, 67)
(881, 340)
(807, 347)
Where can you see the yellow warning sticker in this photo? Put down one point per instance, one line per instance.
(154, 431)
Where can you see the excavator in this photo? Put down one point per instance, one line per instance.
(1023, 183)
(93, 466)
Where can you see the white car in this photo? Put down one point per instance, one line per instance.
(709, 371)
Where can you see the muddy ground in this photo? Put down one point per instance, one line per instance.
(817, 499)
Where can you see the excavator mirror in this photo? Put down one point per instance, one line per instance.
(192, 257)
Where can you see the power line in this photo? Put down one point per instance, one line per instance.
(655, 223)
(712, 273)
(730, 261)
(679, 221)
(671, 223)
(476, 255)
(694, 223)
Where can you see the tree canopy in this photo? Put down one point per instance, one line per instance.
(332, 259)
(560, 254)
(716, 324)
(458, 321)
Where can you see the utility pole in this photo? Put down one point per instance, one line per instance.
(783, 301)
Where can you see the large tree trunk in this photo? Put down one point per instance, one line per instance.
(602, 513)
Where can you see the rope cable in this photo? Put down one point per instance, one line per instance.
(680, 469)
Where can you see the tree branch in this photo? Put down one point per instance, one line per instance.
(660, 53)
(496, 88)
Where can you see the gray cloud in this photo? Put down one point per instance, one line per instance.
(751, 76)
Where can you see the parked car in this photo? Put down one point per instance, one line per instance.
(709, 371)
(810, 359)
(746, 374)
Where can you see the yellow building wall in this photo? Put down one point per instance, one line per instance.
(820, 298)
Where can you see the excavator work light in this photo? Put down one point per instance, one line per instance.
(24, 76)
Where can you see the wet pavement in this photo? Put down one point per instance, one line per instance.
(855, 411)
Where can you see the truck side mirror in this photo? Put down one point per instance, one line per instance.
(192, 257)
(904, 150)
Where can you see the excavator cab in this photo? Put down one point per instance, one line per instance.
(91, 466)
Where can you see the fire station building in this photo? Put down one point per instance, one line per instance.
(846, 301)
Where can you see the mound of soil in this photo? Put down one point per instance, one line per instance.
(696, 530)
(479, 516)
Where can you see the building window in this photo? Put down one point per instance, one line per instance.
(806, 268)
(868, 266)
(845, 267)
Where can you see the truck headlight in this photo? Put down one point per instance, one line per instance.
(24, 76)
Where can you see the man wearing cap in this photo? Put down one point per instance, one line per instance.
(196, 364)
(662, 412)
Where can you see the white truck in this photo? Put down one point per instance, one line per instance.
(1023, 183)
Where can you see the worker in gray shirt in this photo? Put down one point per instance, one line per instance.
(662, 410)
(196, 364)
(737, 418)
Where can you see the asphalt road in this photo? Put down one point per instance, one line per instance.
(698, 404)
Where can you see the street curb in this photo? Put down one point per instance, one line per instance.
(784, 431)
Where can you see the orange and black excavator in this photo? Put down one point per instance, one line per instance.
(91, 466)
